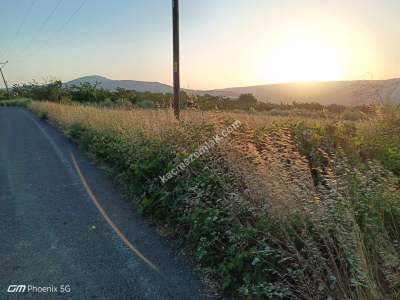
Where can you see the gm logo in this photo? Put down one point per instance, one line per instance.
(13, 288)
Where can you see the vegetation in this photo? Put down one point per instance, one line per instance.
(284, 208)
(92, 94)
(3, 94)
(15, 102)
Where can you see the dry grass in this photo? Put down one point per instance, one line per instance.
(269, 174)
(277, 179)
(271, 170)
(151, 121)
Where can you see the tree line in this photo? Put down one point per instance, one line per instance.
(94, 94)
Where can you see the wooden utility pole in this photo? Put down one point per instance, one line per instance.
(5, 82)
(175, 25)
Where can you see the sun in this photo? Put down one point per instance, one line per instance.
(304, 60)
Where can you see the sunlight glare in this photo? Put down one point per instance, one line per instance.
(302, 60)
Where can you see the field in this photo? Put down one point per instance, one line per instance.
(281, 208)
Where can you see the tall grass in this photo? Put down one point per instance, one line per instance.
(21, 102)
(285, 208)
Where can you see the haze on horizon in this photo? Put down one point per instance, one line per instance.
(223, 43)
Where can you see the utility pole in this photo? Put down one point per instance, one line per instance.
(2, 75)
(175, 25)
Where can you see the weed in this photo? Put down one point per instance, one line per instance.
(284, 209)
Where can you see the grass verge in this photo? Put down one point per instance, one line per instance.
(280, 210)
(15, 103)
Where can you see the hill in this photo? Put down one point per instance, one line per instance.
(338, 92)
(109, 84)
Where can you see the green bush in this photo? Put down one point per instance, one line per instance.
(253, 261)
(252, 254)
(15, 102)
(145, 104)
(43, 115)
(383, 142)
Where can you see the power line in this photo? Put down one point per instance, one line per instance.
(21, 25)
(55, 33)
(1, 53)
(71, 16)
(4, 8)
(42, 25)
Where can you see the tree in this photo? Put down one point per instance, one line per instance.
(247, 99)
(3, 94)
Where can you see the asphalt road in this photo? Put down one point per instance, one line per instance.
(64, 224)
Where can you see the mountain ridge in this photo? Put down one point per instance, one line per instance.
(351, 92)
(110, 84)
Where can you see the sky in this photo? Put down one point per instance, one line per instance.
(224, 43)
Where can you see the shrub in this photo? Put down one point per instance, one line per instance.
(16, 102)
(352, 115)
(343, 242)
(145, 104)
